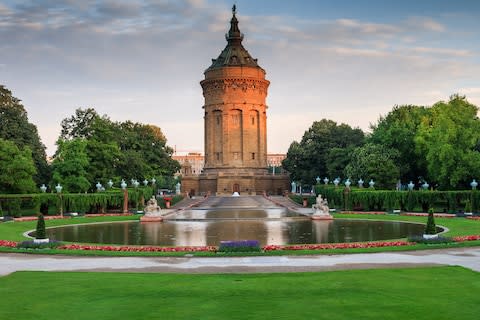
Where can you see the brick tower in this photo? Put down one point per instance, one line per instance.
(235, 91)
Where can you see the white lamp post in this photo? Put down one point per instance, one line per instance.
(371, 183)
(360, 183)
(336, 182)
(325, 180)
(318, 180)
(123, 184)
(59, 191)
(110, 183)
(59, 188)
(425, 185)
(99, 186)
(348, 183)
(474, 184)
(43, 188)
(145, 182)
(410, 186)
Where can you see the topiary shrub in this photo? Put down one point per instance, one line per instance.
(430, 228)
(468, 207)
(41, 232)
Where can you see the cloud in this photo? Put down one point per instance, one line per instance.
(143, 60)
(474, 90)
(442, 51)
(425, 24)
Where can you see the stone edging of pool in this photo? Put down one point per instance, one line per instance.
(320, 246)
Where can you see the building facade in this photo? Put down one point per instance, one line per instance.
(235, 125)
(192, 163)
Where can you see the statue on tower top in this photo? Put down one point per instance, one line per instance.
(234, 9)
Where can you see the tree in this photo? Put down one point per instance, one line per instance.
(120, 149)
(145, 153)
(449, 140)
(337, 160)
(373, 161)
(15, 127)
(397, 131)
(17, 168)
(308, 158)
(81, 125)
(70, 165)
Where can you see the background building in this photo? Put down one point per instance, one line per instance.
(192, 163)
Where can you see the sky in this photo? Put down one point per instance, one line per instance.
(350, 61)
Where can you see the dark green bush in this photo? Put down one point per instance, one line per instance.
(40, 231)
(430, 228)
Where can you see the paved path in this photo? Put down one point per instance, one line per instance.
(466, 257)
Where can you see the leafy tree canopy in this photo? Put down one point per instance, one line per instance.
(70, 165)
(308, 158)
(120, 149)
(397, 130)
(17, 168)
(15, 127)
(449, 140)
(374, 161)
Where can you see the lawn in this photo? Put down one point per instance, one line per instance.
(419, 293)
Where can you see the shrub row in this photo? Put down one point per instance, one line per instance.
(389, 200)
(50, 203)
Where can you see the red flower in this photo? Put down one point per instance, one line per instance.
(466, 238)
(349, 245)
(9, 244)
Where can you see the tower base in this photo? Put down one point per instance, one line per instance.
(226, 183)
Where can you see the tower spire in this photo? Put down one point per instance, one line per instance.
(234, 35)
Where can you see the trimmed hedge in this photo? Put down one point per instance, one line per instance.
(388, 200)
(18, 205)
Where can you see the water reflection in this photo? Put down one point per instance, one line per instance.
(211, 232)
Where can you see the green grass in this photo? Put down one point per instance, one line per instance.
(420, 293)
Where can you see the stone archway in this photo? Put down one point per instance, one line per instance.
(236, 187)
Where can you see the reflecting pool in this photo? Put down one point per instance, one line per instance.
(209, 227)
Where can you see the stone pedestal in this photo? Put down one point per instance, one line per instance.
(322, 216)
(147, 218)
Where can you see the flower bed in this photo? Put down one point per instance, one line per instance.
(34, 218)
(363, 212)
(89, 215)
(240, 246)
(93, 215)
(350, 245)
(440, 215)
(466, 238)
(138, 249)
(8, 244)
(324, 246)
